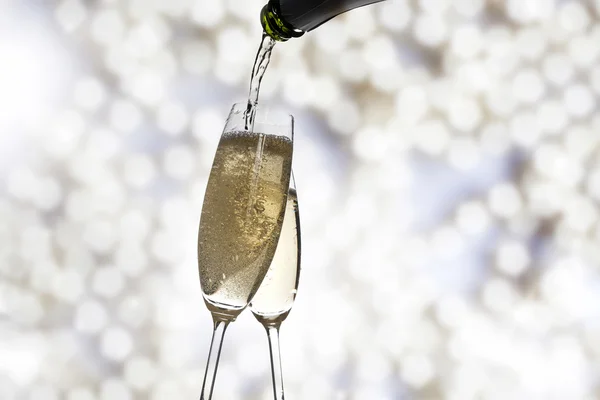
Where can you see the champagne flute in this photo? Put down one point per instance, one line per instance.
(241, 218)
(275, 297)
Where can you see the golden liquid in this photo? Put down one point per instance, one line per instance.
(241, 217)
(275, 297)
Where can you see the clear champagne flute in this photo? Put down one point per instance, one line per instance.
(241, 218)
(275, 297)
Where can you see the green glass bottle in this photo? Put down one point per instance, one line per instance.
(286, 19)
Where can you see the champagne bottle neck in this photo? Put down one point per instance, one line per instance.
(275, 26)
(285, 19)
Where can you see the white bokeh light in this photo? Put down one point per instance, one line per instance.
(446, 158)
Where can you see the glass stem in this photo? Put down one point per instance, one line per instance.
(213, 358)
(276, 372)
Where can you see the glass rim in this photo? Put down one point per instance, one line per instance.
(266, 116)
(242, 107)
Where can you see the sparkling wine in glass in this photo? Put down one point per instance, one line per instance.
(275, 297)
(242, 216)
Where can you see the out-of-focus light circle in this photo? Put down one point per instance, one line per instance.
(499, 295)
(593, 184)
(447, 241)
(380, 53)
(116, 344)
(207, 125)
(108, 282)
(43, 393)
(125, 116)
(573, 17)
(344, 117)
(464, 114)
(584, 51)
(579, 100)
(580, 214)
(417, 370)
(360, 23)
(140, 373)
(430, 30)
(80, 393)
(528, 87)
(48, 194)
(196, 56)
(500, 100)
(504, 200)
(108, 27)
(464, 153)
(99, 236)
(525, 130)
(558, 69)
(395, 15)
(473, 218)
(594, 78)
(68, 285)
(551, 117)
(411, 104)
(352, 65)
(432, 137)
(468, 8)
(179, 162)
(172, 118)
(435, 6)
(90, 317)
(531, 43)
(139, 170)
(89, 93)
(70, 14)
(147, 87)
(527, 11)
(66, 134)
(133, 311)
(551, 161)
(466, 41)
(208, 13)
(333, 38)
(115, 389)
(512, 258)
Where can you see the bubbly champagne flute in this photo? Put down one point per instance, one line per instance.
(275, 297)
(241, 218)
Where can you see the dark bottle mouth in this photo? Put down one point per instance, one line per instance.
(275, 26)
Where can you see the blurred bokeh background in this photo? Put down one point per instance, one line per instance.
(448, 168)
